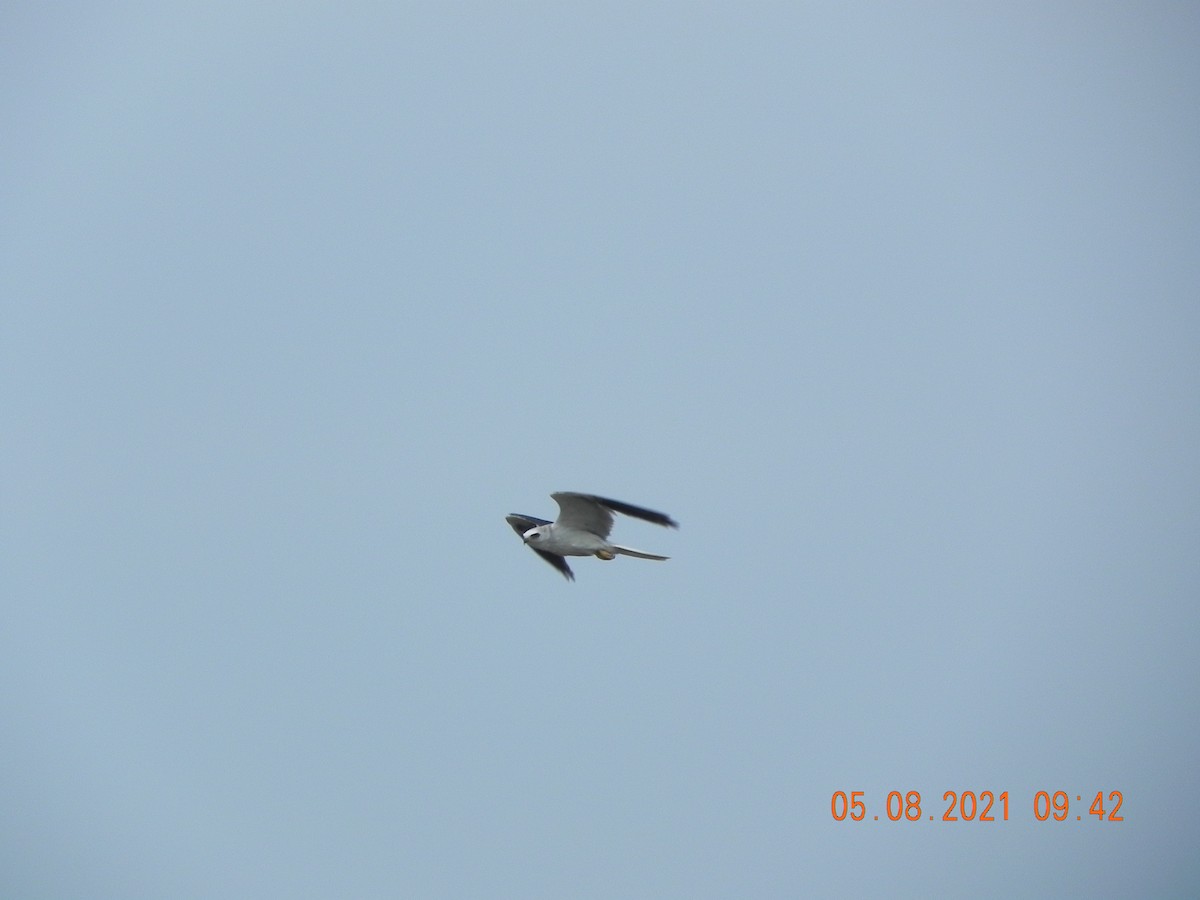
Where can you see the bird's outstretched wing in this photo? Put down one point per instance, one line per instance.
(638, 512)
(584, 512)
(594, 514)
(521, 524)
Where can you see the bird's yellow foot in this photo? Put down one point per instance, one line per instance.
(605, 554)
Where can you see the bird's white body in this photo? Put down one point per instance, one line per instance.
(567, 541)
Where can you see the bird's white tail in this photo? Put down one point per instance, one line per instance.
(629, 551)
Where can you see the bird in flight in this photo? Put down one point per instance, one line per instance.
(581, 529)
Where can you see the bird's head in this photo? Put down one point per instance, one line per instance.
(533, 535)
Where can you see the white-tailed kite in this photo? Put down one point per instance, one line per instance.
(581, 529)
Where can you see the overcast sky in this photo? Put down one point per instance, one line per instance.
(895, 307)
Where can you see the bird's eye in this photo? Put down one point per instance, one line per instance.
(534, 536)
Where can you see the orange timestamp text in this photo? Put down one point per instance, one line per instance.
(981, 806)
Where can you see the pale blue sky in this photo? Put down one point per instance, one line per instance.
(896, 308)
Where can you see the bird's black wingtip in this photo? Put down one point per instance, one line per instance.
(638, 512)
